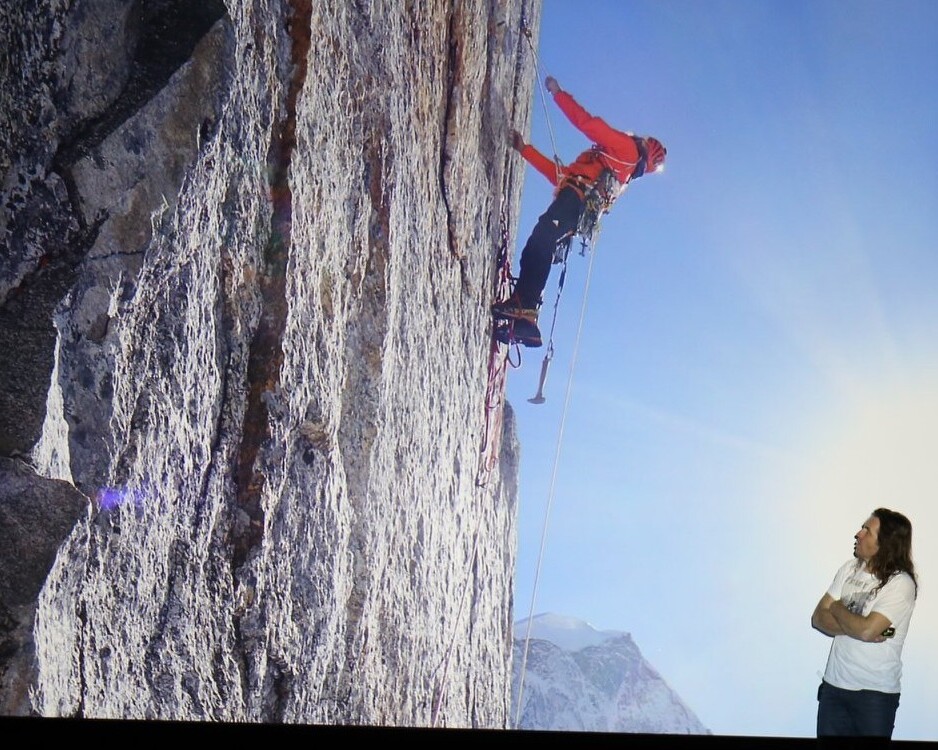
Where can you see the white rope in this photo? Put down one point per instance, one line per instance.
(550, 128)
(563, 419)
(553, 481)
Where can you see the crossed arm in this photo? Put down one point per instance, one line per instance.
(831, 617)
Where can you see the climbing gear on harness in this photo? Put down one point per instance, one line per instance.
(597, 202)
(562, 248)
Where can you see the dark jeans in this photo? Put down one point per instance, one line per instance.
(560, 218)
(855, 713)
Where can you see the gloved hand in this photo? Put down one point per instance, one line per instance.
(551, 83)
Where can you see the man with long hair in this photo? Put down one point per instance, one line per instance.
(867, 610)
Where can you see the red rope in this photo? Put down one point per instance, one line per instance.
(500, 360)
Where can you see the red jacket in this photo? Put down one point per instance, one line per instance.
(614, 149)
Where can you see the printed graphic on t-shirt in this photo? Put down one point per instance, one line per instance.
(858, 591)
(857, 602)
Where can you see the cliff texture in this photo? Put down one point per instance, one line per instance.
(248, 255)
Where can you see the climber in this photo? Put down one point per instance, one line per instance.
(616, 154)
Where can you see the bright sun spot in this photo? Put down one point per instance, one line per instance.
(881, 450)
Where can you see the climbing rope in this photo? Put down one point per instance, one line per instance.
(588, 240)
(499, 362)
(553, 483)
(558, 165)
(498, 365)
(494, 403)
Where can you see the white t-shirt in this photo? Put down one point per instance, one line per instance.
(857, 665)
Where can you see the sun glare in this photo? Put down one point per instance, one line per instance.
(882, 450)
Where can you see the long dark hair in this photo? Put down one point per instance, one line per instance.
(895, 547)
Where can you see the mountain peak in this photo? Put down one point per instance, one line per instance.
(569, 633)
(591, 680)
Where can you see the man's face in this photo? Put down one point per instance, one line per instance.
(867, 540)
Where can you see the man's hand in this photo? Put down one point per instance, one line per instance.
(867, 628)
(551, 83)
(517, 142)
(823, 620)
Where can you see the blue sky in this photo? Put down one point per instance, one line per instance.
(758, 367)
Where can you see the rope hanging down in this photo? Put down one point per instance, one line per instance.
(589, 236)
(553, 484)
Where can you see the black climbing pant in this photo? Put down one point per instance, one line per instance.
(560, 219)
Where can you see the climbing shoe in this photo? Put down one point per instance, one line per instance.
(513, 309)
(519, 331)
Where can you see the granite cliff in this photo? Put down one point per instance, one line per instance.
(252, 468)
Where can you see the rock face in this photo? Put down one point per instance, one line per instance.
(247, 264)
(36, 516)
(576, 678)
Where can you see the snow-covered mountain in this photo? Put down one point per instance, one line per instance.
(577, 678)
